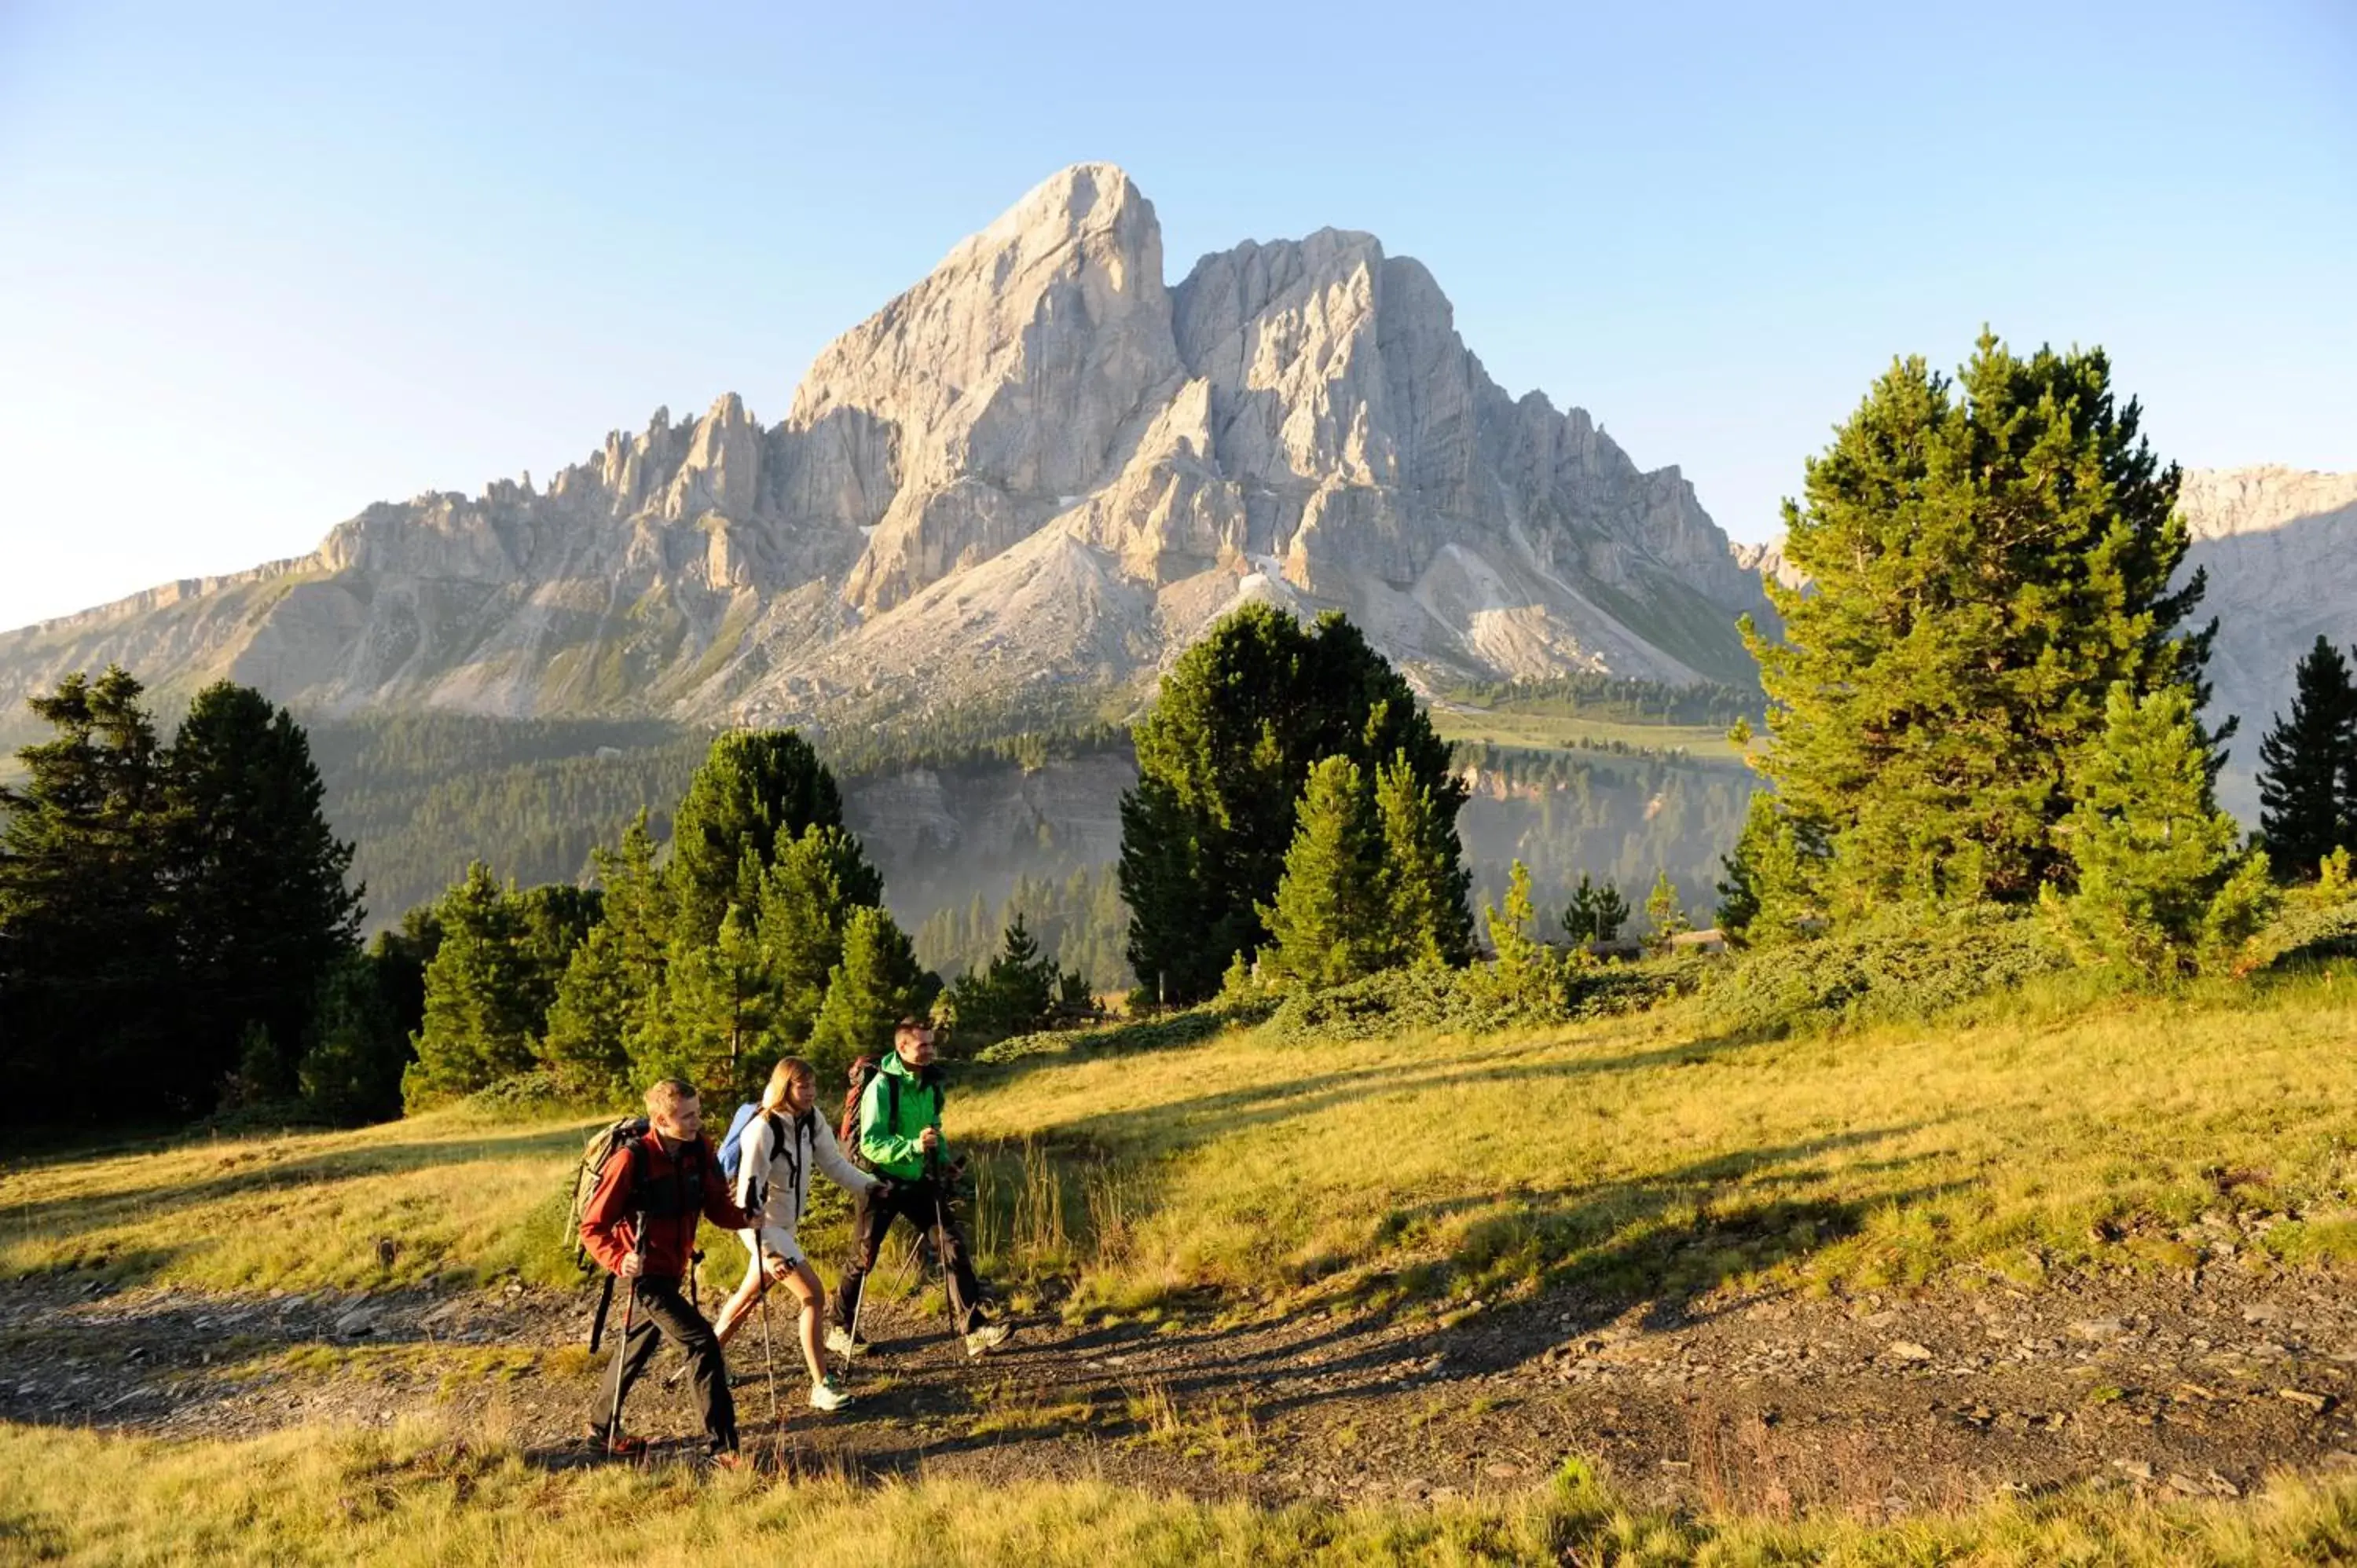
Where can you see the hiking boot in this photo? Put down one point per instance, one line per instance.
(828, 1395)
(620, 1445)
(987, 1337)
(730, 1460)
(841, 1343)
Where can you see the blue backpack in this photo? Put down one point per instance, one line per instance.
(732, 1147)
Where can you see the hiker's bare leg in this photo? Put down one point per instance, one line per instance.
(737, 1306)
(803, 1282)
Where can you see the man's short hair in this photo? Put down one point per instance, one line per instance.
(665, 1095)
(909, 1023)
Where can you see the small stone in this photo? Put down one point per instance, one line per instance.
(2094, 1329)
(2262, 1312)
(1906, 1350)
(2134, 1469)
(2315, 1401)
(2221, 1486)
(2186, 1486)
(1498, 1470)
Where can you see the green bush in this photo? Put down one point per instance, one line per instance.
(2310, 930)
(1875, 976)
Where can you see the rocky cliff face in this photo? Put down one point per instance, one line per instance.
(2280, 547)
(1041, 469)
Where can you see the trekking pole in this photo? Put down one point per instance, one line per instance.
(622, 1344)
(768, 1355)
(940, 1175)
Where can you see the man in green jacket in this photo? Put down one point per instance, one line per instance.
(900, 1138)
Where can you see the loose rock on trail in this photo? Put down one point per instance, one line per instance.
(2190, 1387)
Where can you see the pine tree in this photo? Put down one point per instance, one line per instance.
(1987, 558)
(401, 956)
(612, 980)
(87, 965)
(875, 986)
(1596, 913)
(1424, 884)
(2307, 765)
(1771, 892)
(598, 1009)
(480, 1023)
(1240, 718)
(355, 1050)
(1664, 912)
(1524, 978)
(2161, 885)
(754, 789)
(712, 1022)
(1016, 992)
(258, 883)
(1328, 923)
(803, 909)
(552, 920)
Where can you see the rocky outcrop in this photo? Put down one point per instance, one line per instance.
(1041, 469)
(2280, 547)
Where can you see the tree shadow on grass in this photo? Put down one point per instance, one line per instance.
(1663, 1241)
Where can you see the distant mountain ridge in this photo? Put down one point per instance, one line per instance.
(1029, 479)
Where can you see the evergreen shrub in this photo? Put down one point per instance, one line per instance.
(1875, 975)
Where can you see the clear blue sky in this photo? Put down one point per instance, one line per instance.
(261, 266)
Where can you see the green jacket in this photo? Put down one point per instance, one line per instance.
(893, 1113)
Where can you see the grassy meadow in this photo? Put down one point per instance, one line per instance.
(1240, 1168)
(464, 1193)
(2037, 1129)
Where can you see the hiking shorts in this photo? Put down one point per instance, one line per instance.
(776, 1241)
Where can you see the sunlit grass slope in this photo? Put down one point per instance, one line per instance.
(415, 1496)
(1641, 1155)
(1627, 1157)
(461, 1193)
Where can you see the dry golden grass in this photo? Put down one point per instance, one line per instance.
(417, 1495)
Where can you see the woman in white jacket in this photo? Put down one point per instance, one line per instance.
(780, 1145)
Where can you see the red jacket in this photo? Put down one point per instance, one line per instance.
(670, 1190)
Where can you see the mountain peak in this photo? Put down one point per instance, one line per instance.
(1037, 465)
(1085, 198)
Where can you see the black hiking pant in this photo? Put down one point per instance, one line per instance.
(925, 1205)
(664, 1314)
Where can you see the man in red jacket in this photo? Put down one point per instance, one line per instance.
(640, 1224)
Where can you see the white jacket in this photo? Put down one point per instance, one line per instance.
(773, 1173)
